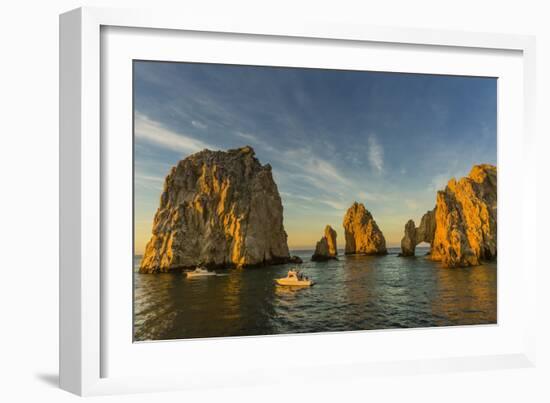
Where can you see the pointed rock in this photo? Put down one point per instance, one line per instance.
(362, 233)
(217, 209)
(466, 219)
(326, 248)
(408, 243)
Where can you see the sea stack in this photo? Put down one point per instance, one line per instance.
(218, 209)
(362, 233)
(466, 219)
(408, 243)
(413, 236)
(462, 228)
(326, 248)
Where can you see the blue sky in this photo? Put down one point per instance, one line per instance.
(387, 140)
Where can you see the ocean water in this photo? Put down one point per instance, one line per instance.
(352, 293)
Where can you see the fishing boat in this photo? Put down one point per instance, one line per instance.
(200, 272)
(295, 278)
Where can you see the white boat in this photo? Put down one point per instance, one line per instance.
(295, 278)
(200, 272)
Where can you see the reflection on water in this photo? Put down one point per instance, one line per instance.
(353, 293)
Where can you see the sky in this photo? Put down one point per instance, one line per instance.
(332, 137)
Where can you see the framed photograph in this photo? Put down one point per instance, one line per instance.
(244, 199)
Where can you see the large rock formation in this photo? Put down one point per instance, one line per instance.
(462, 228)
(362, 233)
(326, 248)
(217, 209)
(466, 219)
(415, 235)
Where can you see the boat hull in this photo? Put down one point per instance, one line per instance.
(191, 275)
(299, 283)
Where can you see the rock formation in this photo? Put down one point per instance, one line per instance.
(362, 233)
(413, 236)
(462, 228)
(408, 243)
(466, 219)
(219, 209)
(326, 248)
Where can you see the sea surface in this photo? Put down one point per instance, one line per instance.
(352, 293)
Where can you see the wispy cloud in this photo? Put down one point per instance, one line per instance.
(199, 125)
(255, 141)
(375, 154)
(296, 196)
(439, 181)
(316, 170)
(335, 204)
(153, 132)
(149, 182)
(149, 178)
(247, 136)
(370, 196)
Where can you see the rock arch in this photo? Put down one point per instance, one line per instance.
(415, 235)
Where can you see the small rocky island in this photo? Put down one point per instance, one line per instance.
(326, 248)
(218, 209)
(362, 233)
(415, 235)
(462, 228)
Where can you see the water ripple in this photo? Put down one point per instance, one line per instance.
(353, 293)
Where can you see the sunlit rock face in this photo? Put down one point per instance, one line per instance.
(408, 243)
(466, 219)
(326, 248)
(219, 209)
(362, 233)
(413, 236)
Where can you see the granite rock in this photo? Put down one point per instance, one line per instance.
(466, 219)
(218, 209)
(362, 233)
(326, 248)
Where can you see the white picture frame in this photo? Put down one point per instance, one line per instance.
(88, 315)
